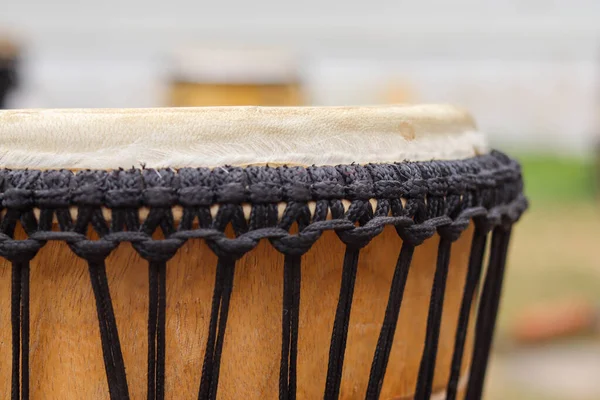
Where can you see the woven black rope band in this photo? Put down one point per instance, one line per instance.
(419, 199)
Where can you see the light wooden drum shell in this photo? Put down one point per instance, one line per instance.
(375, 240)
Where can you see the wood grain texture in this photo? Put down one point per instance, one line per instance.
(66, 357)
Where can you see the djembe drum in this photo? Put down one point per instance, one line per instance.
(250, 252)
(234, 77)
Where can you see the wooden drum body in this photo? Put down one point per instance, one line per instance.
(210, 274)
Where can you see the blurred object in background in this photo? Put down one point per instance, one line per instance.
(234, 77)
(8, 68)
(397, 92)
(553, 320)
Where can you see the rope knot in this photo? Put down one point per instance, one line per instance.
(361, 236)
(93, 250)
(453, 231)
(19, 250)
(417, 234)
(158, 250)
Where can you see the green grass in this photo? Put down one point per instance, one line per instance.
(558, 178)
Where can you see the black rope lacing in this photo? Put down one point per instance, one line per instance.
(216, 334)
(156, 330)
(488, 309)
(289, 327)
(20, 330)
(20, 323)
(340, 325)
(472, 280)
(388, 328)
(441, 197)
(434, 320)
(111, 347)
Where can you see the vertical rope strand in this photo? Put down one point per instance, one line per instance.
(296, 285)
(30, 225)
(15, 320)
(104, 336)
(212, 332)
(478, 244)
(111, 323)
(488, 309)
(156, 329)
(434, 320)
(161, 331)
(111, 347)
(152, 327)
(388, 328)
(20, 330)
(289, 328)
(24, 330)
(227, 289)
(285, 331)
(216, 335)
(340, 326)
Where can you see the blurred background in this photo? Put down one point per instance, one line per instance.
(529, 71)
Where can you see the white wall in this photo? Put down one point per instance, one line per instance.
(526, 68)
